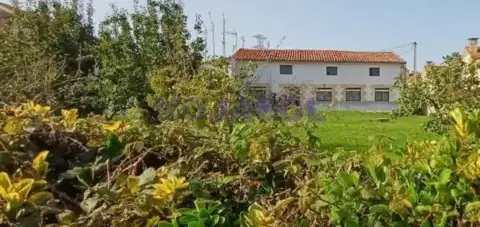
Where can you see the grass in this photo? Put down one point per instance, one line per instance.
(353, 130)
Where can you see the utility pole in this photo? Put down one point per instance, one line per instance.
(213, 34)
(243, 41)
(223, 37)
(414, 58)
(205, 52)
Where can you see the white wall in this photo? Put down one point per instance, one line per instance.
(315, 74)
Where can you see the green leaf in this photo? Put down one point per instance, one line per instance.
(444, 176)
(115, 148)
(440, 221)
(349, 179)
(147, 177)
(165, 224)
(304, 223)
(40, 198)
(184, 220)
(412, 195)
(379, 209)
(426, 223)
(195, 224)
(85, 175)
(423, 208)
(89, 204)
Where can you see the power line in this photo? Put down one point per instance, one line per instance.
(403, 45)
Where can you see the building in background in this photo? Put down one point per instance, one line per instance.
(6, 13)
(471, 52)
(341, 80)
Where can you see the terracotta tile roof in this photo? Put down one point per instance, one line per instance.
(317, 56)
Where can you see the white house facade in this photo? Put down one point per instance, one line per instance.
(341, 80)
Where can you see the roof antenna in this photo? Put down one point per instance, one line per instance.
(243, 41)
(260, 41)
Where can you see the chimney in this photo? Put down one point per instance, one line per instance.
(473, 45)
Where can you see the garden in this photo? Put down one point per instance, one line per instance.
(84, 140)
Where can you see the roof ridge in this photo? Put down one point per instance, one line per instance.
(298, 49)
(318, 55)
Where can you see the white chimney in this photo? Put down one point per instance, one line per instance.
(473, 45)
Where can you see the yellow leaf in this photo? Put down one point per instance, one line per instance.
(112, 128)
(5, 181)
(39, 163)
(39, 184)
(133, 184)
(69, 118)
(10, 127)
(153, 221)
(13, 198)
(23, 187)
(66, 217)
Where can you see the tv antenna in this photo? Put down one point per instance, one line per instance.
(205, 52)
(260, 41)
(224, 44)
(243, 41)
(234, 34)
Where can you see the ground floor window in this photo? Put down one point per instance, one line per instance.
(292, 92)
(353, 94)
(258, 92)
(324, 95)
(382, 94)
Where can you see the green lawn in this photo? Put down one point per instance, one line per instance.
(352, 130)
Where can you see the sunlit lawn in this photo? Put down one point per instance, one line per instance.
(352, 130)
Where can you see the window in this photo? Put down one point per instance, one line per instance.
(375, 71)
(332, 71)
(382, 94)
(292, 94)
(324, 95)
(258, 92)
(286, 69)
(353, 94)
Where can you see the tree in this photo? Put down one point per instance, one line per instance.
(48, 52)
(134, 47)
(443, 88)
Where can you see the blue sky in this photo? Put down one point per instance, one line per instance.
(439, 27)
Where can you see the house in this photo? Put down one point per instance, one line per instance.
(6, 13)
(471, 52)
(342, 80)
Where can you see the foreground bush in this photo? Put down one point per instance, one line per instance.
(123, 171)
(62, 170)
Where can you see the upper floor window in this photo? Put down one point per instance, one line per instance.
(374, 71)
(286, 69)
(332, 71)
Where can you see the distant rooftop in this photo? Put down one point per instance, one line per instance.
(317, 56)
